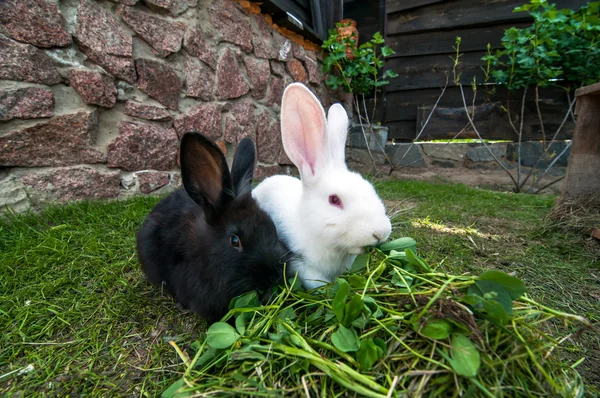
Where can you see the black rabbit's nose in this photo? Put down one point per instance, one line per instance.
(287, 256)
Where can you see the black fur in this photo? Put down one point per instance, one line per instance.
(185, 241)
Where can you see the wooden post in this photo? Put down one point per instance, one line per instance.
(583, 171)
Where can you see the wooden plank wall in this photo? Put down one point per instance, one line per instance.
(422, 33)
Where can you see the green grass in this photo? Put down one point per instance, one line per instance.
(74, 305)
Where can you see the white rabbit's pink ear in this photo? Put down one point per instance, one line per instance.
(303, 129)
(337, 132)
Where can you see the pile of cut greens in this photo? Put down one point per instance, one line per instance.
(393, 326)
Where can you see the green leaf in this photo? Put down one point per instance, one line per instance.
(246, 300)
(368, 354)
(208, 355)
(173, 388)
(381, 344)
(474, 297)
(357, 281)
(494, 291)
(514, 286)
(416, 261)
(398, 255)
(399, 245)
(465, 356)
(436, 329)
(398, 281)
(352, 310)
(361, 261)
(221, 335)
(241, 321)
(345, 339)
(386, 51)
(245, 354)
(339, 301)
(496, 311)
(391, 73)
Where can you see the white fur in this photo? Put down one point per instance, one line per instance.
(326, 239)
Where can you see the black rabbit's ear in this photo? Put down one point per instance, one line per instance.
(243, 166)
(205, 174)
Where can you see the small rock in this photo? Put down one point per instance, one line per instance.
(243, 112)
(298, 51)
(150, 181)
(283, 46)
(406, 155)
(143, 146)
(147, 112)
(158, 81)
(443, 163)
(296, 70)
(230, 81)
(262, 39)
(26, 103)
(479, 166)
(482, 154)
(72, 183)
(175, 179)
(125, 91)
(315, 75)
(94, 87)
(24, 62)
(276, 87)
(36, 22)
(204, 118)
(164, 36)
(61, 141)
(450, 151)
(277, 68)
(13, 195)
(175, 7)
(126, 2)
(268, 140)
(234, 132)
(531, 152)
(128, 181)
(258, 71)
(200, 79)
(232, 24)
(195, 44)
(104, 41)
(376, 137)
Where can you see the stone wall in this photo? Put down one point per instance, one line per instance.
(95, 95)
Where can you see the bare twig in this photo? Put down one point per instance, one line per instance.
(548, 148)
(552, 163)
(549, 184)
(462, 93)
(364, 133)
(539, 114)
(369, 123)
(424, 124)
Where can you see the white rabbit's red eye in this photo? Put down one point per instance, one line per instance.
(235, 242)
(335, 200)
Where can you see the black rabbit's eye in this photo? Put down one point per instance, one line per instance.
(235, 242)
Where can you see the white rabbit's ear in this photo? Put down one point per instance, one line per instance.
(303, 129)
(337, 131)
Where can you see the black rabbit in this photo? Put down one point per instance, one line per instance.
(209, 242)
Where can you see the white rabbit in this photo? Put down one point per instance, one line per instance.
(331, 214)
